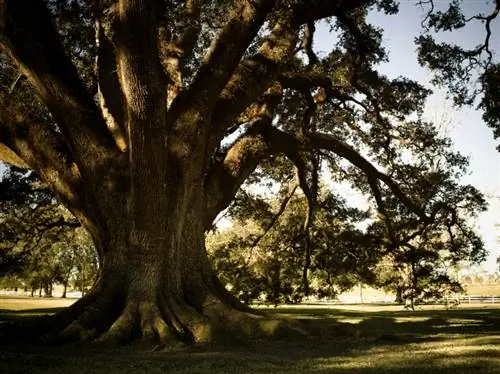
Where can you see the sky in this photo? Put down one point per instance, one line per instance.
(464, 126)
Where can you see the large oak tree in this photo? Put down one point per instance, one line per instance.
(156, 111)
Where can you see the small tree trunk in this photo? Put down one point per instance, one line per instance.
(47, 289)
(65, 288)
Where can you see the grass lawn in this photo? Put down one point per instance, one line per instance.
(390, 340)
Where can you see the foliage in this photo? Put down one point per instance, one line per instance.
(41, 242)
(470, 74)
(266, 256)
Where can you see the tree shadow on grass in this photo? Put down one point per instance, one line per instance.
(9, 314)
(20, 328)
(437, 341)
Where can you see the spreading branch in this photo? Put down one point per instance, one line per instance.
(253, 76)
(338, 147)
(29, 37)
(225, 53)
(41, 148)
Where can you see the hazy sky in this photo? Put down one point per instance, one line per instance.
(470, 135)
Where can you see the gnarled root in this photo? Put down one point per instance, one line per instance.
(108, 317)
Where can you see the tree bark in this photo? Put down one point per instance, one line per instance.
(65, 289)
(155, 280)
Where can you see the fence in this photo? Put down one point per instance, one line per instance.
(479, 299)
(389, 299)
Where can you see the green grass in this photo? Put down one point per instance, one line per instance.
(391, 340)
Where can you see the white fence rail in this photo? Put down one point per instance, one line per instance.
(480, 299)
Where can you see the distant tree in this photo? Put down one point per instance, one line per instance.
(423, 264)
(30, 218)
(416, 277)
(38, 235)
(268, 253)
(466, 279)
(85, 265)
(478, 279)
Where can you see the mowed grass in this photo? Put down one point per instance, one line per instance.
(378, 339)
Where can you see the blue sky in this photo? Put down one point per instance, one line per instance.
(465, 126)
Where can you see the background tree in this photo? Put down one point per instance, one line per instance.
(30, 216)
(267, 256)
(186, 100)
(40, 240)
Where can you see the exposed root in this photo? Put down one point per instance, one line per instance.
(166, 321)
(89, 317)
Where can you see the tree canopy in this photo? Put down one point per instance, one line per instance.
(147, 119)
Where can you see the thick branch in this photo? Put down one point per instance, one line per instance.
(226, 52)
(307, 43)
(42, 149)
(176, 53)
(110, 94)
(253, 76)
(29, 37)
(10, 157)
(226, 176)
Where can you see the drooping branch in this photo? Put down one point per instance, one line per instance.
(332, 144)
(29, 37)
(374, 185)
(276, 216)
(310, 190)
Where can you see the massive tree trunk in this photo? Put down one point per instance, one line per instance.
(143, 169)
(155, 280)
